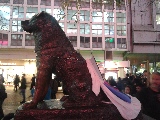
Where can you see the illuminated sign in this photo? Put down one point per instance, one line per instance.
(7, 63)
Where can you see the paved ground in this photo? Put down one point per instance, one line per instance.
(13, 99)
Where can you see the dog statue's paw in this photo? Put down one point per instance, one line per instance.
(30, 105)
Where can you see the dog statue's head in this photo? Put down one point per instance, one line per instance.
(38, 22)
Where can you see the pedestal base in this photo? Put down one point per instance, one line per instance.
(53, 110)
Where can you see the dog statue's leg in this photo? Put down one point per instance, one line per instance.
(43, 78)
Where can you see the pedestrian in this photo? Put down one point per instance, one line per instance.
(54, 88)
(150, 97)
(2, 78)
(33, 83)
(23, 88)
(119, 84)
(128, 90)
(3, 96)
(16, 82)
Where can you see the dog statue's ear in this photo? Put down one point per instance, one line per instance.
(41, 14)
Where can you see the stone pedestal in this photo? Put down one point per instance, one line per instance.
(53, 110)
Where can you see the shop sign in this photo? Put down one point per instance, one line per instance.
(7, 63)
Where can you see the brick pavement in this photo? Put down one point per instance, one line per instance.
(13, 99)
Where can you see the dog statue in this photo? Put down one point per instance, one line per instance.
(55, 54)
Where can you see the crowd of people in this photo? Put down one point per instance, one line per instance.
(146, 91)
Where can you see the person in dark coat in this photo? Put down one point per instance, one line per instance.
(16, 82)
(23, 88)
(33, 81)
(33, 84)
(2, 97)
(150, 97)
(119, 84)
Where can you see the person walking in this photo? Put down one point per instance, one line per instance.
(23, 88)
(3, 95)
(54, 88)
(33, 84)
(16, 82)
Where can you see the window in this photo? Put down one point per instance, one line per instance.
(108, 17)
(71, 28)
(4, 17)
(97, 16)
(5, 1)
(18, 12)
(46, 2)
(32, 2)
(31, 11)
(73, 40)
(109, 42)
(157, 11)
(121, 43)
(84, 42)
(84, 15)
(29, 40)
(62, 26)
(18, 1)
(3, 39)
(84, 28)
(85, 3)
(121, 17)
(72, 15)
(97, 29)
(16, 39)
(121, 30)
(58, 14)
(96, 42)
(109, 29)
(120, 5)
(97, 4)
(48, 10)
(16, 26)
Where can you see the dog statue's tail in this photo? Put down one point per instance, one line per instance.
(128, 106)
